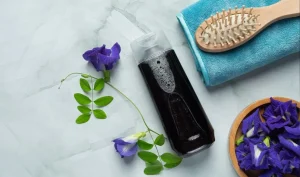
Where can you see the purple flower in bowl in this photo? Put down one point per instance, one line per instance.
(280, 114)
(244, 156)
(127, 146)
(287, 109)
(289, 142)
(294, 130)
(274, 145)
(103, 58)
(274, 158)
(252, 125)
(259, 154)
(289, 160)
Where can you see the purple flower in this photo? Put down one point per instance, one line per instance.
(128, 146)
(274, 158)
(294, 130)
(254, 139)
(290, 143)
(273, 172)
(252, 125)
(293, 112)
(259, 154)
(269, 111)
(102, 58)
(244, 156)
(278, 122)
(275, 103)
(279, 114)
(289, 160)
(287, 109)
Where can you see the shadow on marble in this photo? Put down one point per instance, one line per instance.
(189, 162)
(129, 160)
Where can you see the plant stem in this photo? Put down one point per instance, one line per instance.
(149, 130)
(92, 94)
(131, 103)
(154, 132)
(67, 77)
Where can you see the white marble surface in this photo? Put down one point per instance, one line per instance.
(43, 40)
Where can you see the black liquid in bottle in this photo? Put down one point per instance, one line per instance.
(183, 117)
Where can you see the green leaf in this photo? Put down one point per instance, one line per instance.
(160, 140)
(84, 109)
(84, 84)
(153, 168)
(171, 165)
(85, 75)
(82, 99)
(99, 84)
(103, 101)
(240, 140)
(144, 145)
(83, 118)
(147, 156)
(171, 158)
(98, 113)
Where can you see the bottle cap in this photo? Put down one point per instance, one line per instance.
(149, 46)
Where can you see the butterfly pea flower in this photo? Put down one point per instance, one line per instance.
(274, 158)
(275, 103)
(254, 139)
(273, 172)
(279, 118)
(269, 112)
(288, 143)
(103, 58)
(290, 161)
(259, 157)
(294, 130)
(292, 111)
(278, 122)
(279, 114)
(252, 125)
(128, 146)
(244, 156)
(287, 109)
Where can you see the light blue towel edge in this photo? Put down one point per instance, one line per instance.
(199, 64)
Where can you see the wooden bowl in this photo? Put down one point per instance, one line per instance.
(236, 132)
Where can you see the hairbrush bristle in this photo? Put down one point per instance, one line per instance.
(229, 27)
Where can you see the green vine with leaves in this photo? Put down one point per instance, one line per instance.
(155, 162)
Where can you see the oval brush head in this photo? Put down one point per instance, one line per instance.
(232, 28)
(227, 29)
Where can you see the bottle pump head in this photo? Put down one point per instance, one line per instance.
(149, 46)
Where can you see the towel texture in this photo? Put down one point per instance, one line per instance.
(276, 41)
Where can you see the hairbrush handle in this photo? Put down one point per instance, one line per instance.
(234, 27)
(281, 10)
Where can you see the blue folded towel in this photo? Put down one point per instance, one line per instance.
(276, 41)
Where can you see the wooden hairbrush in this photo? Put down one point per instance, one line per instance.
(232, 28)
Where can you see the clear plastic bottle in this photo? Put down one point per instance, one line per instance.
(183, 117)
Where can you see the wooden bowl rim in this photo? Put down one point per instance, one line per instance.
(236, 125)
